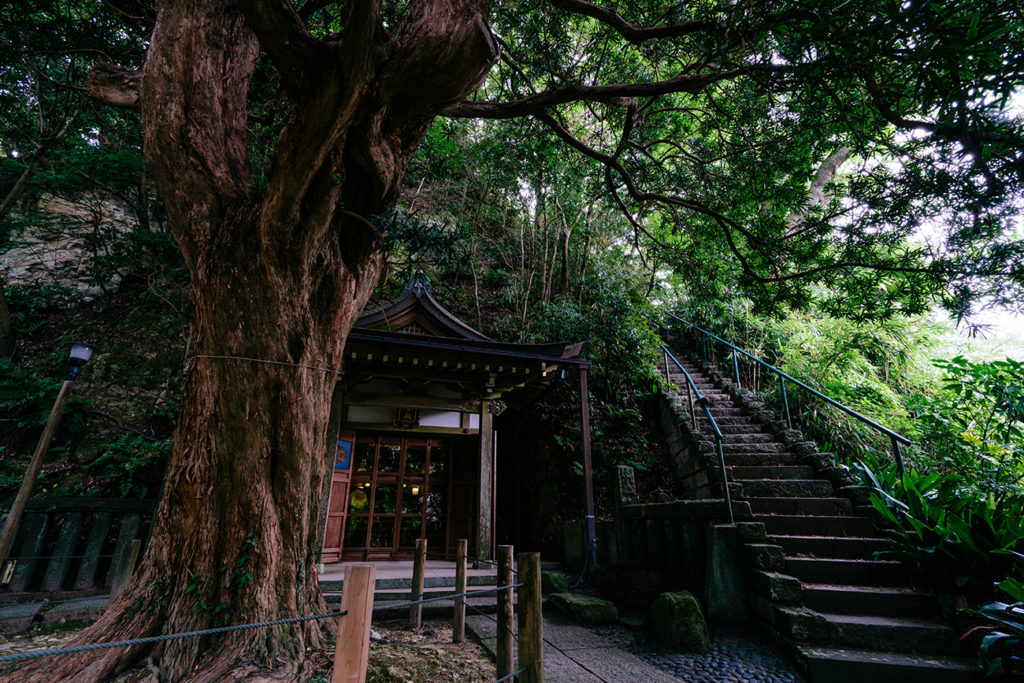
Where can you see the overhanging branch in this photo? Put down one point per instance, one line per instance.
(634, 33)
(283, 36)
(537, 104)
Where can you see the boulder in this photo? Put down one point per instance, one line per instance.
(586, 610)
(676, 619)
(553, 582)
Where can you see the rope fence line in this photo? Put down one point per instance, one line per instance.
(510, 676)
(240, 627)
(362, 616)
(35, 654)
(440, 598)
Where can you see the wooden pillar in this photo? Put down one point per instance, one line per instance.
(353, 649)
(459, 619)
(419, 567)
(588, 474)
(484, 518)
(505, 645)
(531, 621)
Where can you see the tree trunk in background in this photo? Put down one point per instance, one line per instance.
(279, 277)
(6, 329)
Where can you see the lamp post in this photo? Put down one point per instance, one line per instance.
(79, 356)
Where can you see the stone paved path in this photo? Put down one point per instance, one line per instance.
(575, 654)
(613, 654)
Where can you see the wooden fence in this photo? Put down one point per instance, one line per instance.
(76, 546)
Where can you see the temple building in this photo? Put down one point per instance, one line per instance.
(416, 450)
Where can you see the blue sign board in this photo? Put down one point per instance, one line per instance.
(343, 455)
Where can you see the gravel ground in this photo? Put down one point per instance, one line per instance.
(738, 655)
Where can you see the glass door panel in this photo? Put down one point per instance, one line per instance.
(399, 494)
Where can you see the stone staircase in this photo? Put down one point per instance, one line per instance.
(810, 546)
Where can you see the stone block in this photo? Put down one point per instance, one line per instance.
(803, 447)
(776, 587)
(553, 582)
(586, 610)
(765, 556)
(677, 620)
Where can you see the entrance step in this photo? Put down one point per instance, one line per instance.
(870, 666)
(891, 601)
(845, 547)
(801, 506)
(788, 488)
(748, 448)
(743, 473)
(847, 572)
(758, 458)
(821, 525)
(733, 438)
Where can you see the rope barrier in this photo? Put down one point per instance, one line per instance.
(270, 362)
(467, 594)
(35, 654)
(510, 676)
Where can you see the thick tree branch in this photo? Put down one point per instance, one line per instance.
(297, 55)
(535, 104)
(117, 87)
(632, 32)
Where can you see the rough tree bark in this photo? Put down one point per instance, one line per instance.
(279, 278)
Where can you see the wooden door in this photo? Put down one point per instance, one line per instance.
(338, 501)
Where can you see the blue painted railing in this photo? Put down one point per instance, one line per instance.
(895, 438)
(691, 386)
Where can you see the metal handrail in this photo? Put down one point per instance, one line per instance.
(895, 437)
(693, 417)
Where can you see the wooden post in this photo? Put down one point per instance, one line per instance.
(419, 566)
(506, 656)
(459, 619)
(531, 621)
(588, 475)
(353, 649)
(485, 487)
(10, 529)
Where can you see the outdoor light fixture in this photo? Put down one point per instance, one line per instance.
(80, 355)
(415, 490)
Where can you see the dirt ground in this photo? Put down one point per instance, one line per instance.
(397, 653)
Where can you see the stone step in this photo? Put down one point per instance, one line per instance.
(850, 548)
(824, 525)
(787, 488)
(888, 601)
(732, 437)
(847, 572)
(900, 634)
(751, 459)
(744, 472)
(869, 666)
(724, 410)
(747, 427)
(801, 506)
(771, 447)
(727, 419)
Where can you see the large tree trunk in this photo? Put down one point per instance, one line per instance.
(279, 279)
